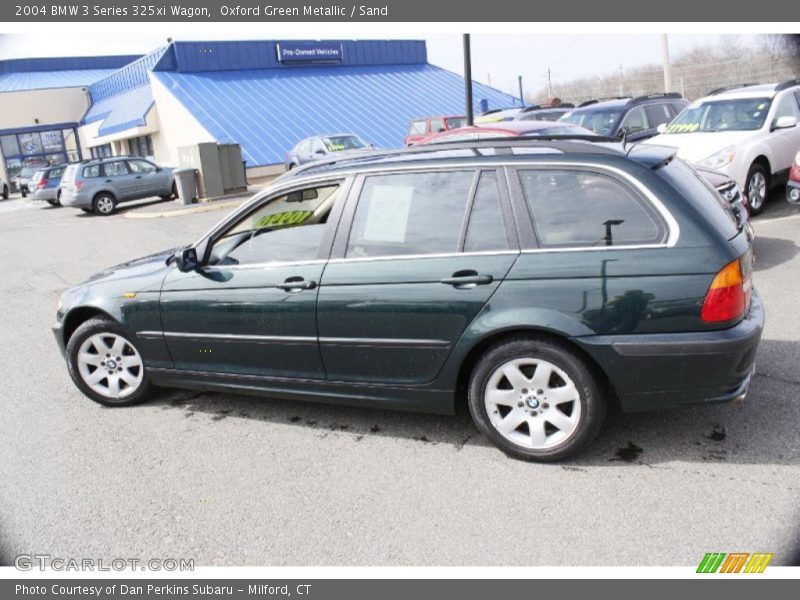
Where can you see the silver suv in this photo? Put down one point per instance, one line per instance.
(99, 185)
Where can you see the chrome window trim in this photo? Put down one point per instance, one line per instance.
(263, 265)
(359, 259)
(673, 228)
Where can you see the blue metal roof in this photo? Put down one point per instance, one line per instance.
(193, 57)
(268, 111)
(122, 111)
(23, 74)
(40, 80)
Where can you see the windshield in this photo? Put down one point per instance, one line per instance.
(743, 114)
(456, 122)
(337, 143)
(602, 122)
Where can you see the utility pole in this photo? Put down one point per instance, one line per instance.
(665, 63)
(489, 78)
(468, 79)
(549, 83)
(619, 92)
(521, 96)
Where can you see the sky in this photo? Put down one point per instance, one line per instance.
(497, 59)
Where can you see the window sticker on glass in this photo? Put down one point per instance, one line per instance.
(387, 216)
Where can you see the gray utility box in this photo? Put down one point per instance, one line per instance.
(220, 166)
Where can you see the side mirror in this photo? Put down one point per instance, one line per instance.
(662, 128)
(784, 123)
(623, 131)
(186, 260)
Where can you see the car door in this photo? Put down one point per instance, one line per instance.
(250, 310)
(784, 143)
(409, 271)
(118, 178)
(150, 180)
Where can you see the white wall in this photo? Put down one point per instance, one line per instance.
(178, 126)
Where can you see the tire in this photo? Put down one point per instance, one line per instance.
(757, 186)
(87, 210)
(53, 202)
(24, 192)
(5, 192)
(172, 194)
(104, 204)
(92, 344)
(546, 431)
(58, 198)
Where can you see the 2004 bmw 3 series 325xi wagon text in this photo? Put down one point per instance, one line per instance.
(540, 281)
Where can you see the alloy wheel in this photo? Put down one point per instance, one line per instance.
(532, 403)
(757, 190)
(110, 365)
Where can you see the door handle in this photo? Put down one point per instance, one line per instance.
(467, 279)
(108, 181)
(138, 177)
(294, 285)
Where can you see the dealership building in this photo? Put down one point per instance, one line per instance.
(264, 96)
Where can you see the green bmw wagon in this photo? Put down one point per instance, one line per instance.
(537, 281)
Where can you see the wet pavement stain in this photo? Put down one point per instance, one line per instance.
(629, 453)
(718, 434)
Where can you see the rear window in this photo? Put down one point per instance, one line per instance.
(576, 208)
(697, 190)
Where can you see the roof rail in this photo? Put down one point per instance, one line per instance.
(543, 107)
(787, 84)
(596, 100)
(587, 143)
(731, 87)
(654, 96)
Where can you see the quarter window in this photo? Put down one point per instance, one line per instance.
(583, 209)
(288, 228)
(91, 171)
(417, 128)
(410, 213)
(486, 230)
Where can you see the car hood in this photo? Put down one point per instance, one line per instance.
(140, 274)
(695, 147)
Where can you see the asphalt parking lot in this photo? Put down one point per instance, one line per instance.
(232, 480)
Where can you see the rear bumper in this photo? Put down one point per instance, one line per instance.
(655, 371)
(75, 200)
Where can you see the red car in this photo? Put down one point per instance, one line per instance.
(425, 126)
(793, 186)
(508, 129)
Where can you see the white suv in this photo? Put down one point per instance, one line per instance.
(748, 131)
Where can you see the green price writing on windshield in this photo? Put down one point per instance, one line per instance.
(294, 217)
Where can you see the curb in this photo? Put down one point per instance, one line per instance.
(201, 208)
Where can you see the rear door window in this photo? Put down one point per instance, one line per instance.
(115, 169)
(437, 125)
(584, 209)
(636, 121)
(410, 213)
(658, 114)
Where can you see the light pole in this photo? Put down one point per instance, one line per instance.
(468, 79)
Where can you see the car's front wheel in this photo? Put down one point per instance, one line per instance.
(536, 399)
(104, 204)
(757, 187)
(106, 365)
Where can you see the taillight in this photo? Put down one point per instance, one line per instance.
(78, 185)
(729, 295)
(42, 183)
(794, 172)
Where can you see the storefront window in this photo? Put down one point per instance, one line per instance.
(30, 143)
(52, 141)
(9, 145)
(141, 146)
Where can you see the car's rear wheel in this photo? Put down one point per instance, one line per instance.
(5, 192)
(104, 204)
(536, 399)
(757, 187)
(106, 365)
